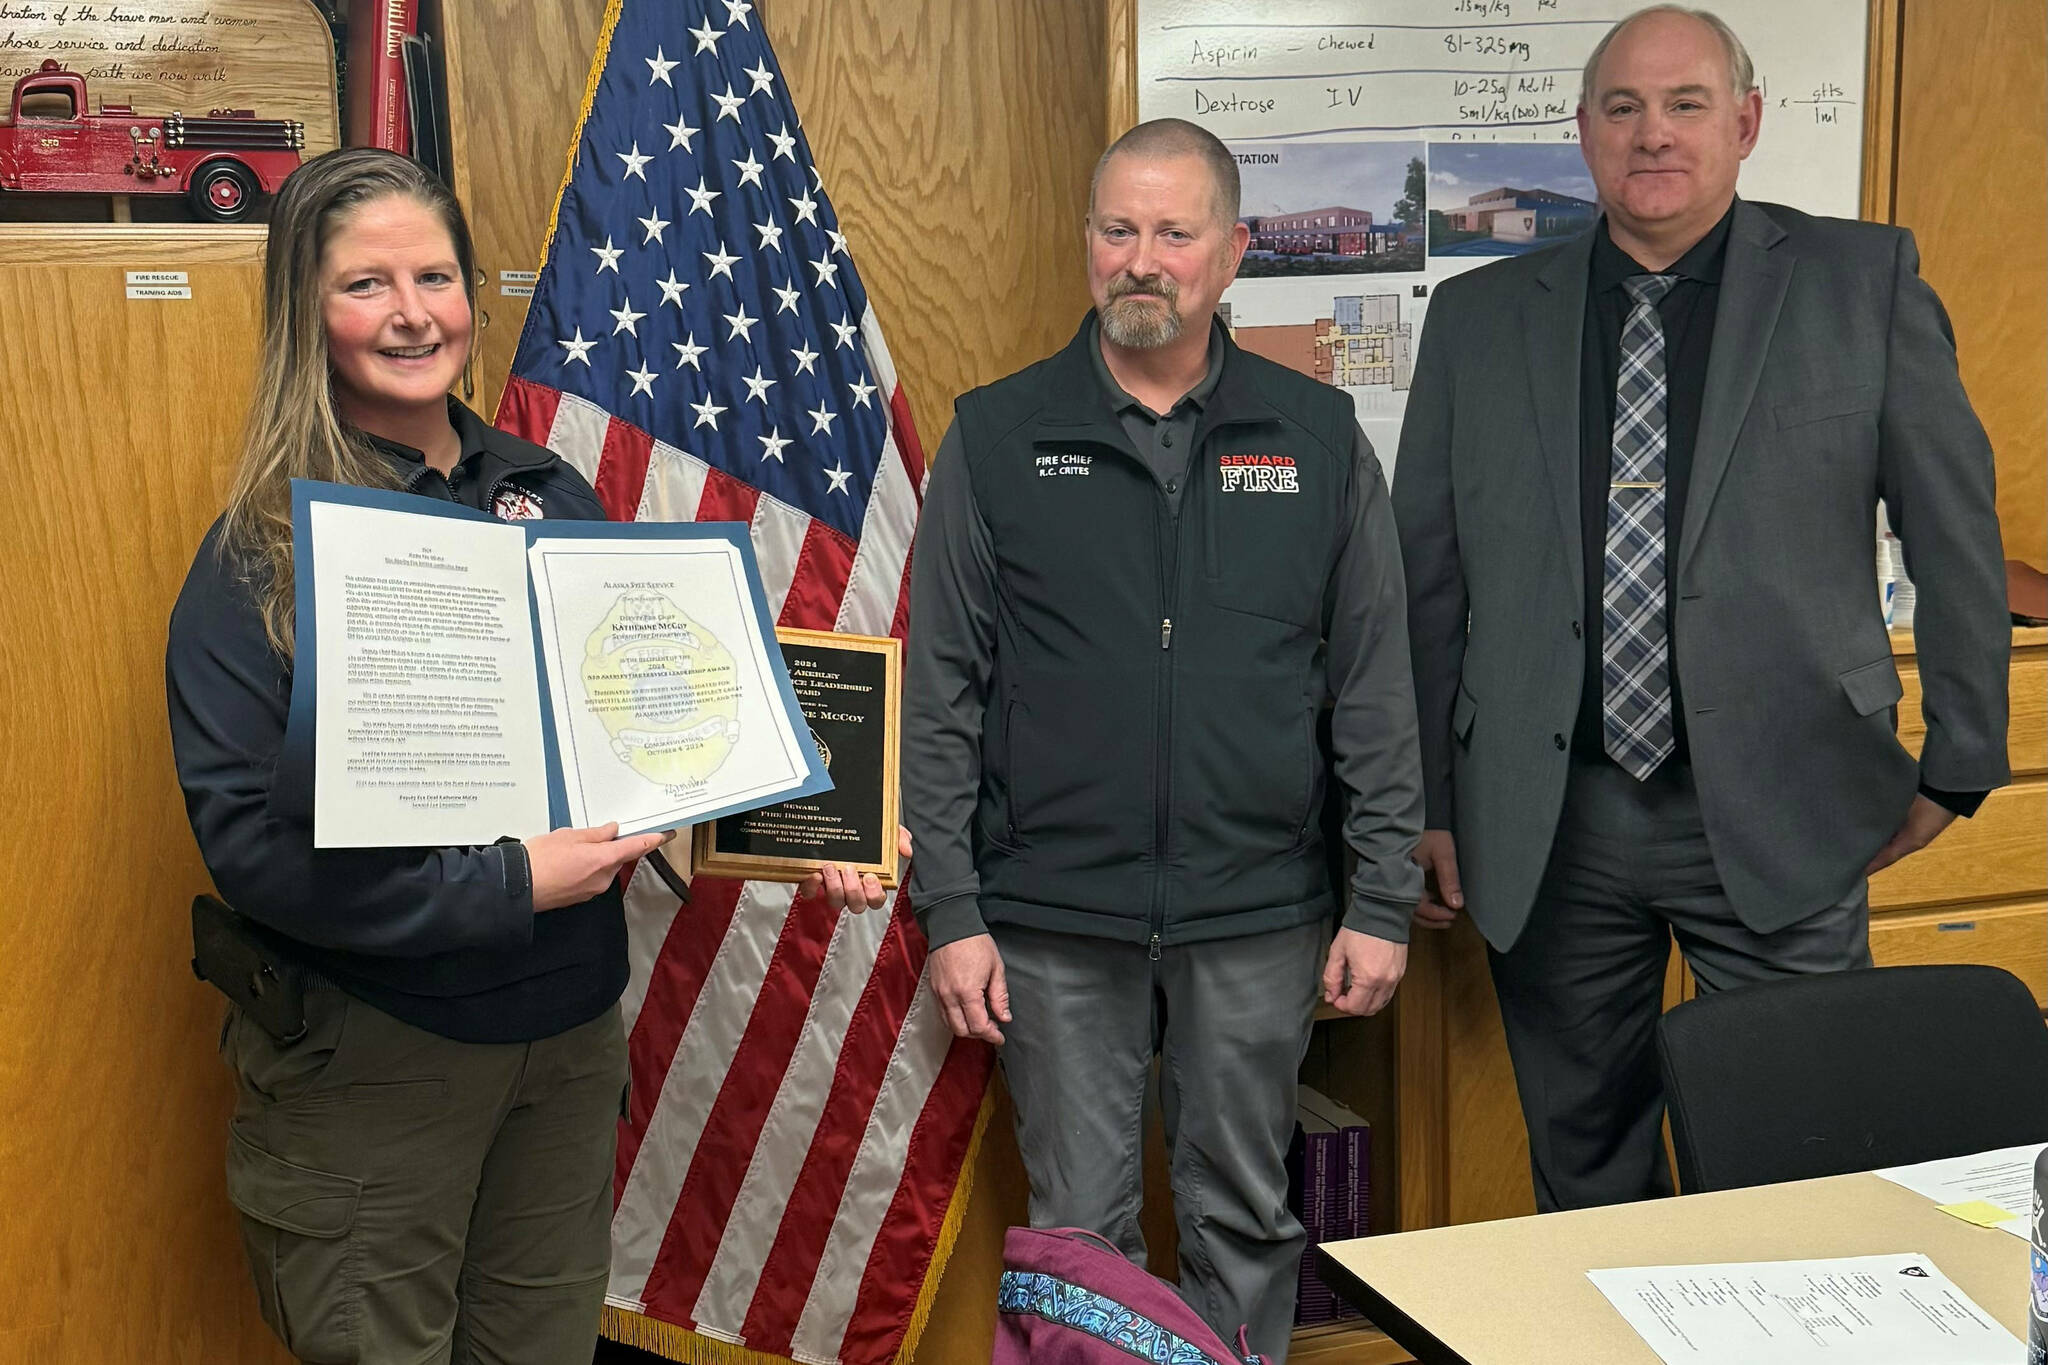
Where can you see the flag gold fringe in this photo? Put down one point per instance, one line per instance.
(604, 52)
(679, 1344)
(949, 1232)
(671, 1342)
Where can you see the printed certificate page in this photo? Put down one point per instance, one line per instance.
(428, 725)
(1869, 1310)
(666, 707)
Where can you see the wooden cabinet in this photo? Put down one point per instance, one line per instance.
(1973, 114)
(120, 417)
(1979, 893)
(2012, 935)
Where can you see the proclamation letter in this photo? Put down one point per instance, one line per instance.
(428, 722)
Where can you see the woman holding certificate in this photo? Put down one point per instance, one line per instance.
(427, 1041)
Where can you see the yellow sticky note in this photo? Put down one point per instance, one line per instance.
(1982, 1212)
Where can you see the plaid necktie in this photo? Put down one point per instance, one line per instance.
(1635, 649)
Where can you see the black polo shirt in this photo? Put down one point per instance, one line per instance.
(1164, 440)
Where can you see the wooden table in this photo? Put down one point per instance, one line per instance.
(1515, 1292)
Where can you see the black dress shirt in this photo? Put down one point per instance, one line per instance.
(1688, 313)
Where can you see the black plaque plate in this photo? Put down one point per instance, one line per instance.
(849, 687)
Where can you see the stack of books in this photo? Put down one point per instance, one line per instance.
(1329, 1174)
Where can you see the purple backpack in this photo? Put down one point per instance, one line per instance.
(1070, 1298)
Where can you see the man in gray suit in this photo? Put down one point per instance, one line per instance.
(1637, 494)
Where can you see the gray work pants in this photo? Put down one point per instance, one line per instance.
(1229, 1021)
(409, 1200)
(1581, 990)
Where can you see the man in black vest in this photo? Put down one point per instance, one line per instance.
(1144, 566)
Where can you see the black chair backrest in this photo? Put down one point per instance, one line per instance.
(1824, 1075)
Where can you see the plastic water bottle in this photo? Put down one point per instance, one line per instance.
(2037, 1286)
(1895, 594)
(1899, 615)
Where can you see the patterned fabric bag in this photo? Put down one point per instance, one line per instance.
(1070, 1298)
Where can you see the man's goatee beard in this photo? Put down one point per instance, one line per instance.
(1140, 325)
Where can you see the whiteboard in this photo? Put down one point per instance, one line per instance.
(1331, 104)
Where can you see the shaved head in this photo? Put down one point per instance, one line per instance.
(1165, 139)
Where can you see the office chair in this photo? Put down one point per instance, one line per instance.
(1853, 1071)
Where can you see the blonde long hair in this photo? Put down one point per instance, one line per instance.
(294, 429)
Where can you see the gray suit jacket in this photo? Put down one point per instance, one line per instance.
(1832, 383)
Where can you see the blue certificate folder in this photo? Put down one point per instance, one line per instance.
(764, 670)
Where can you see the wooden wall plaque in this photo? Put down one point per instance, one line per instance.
(275, 57)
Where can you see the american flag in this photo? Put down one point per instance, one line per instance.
(700, 346)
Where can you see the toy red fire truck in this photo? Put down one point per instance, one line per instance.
(49, 142)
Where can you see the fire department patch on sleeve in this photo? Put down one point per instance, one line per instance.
(1258, 473)
(516, 504)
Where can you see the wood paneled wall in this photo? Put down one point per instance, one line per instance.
(1972, 182)
(955, 137)
(513, 107)
(119, 419)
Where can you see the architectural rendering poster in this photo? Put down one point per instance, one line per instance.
(1386, 145)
